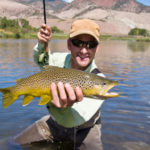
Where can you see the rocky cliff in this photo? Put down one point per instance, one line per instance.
(113, 16)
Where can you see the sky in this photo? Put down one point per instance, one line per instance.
(145, 2)
(69, 1)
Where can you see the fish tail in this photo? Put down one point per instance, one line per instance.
(8, 98)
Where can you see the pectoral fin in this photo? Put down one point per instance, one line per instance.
(27, 99)
(44, 99)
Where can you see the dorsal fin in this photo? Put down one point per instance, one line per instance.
(49, 67)
(19, 80)
(46, 67)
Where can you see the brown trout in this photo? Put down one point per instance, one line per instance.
(38, 85)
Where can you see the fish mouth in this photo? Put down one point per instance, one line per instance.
(105, 94)
(110, 95)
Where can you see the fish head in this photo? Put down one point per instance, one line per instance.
(103, 86)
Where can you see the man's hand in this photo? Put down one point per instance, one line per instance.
(44, 34)
(64, 95)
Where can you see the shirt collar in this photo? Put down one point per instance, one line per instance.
(88, 69)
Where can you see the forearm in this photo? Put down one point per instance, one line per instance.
(40, 55)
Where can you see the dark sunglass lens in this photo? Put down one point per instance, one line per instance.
(88, 44)
(92, 44)
(77, 43)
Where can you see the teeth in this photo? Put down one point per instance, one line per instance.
(102, 91)
(82, 57)
(106, 89)
(111, 94)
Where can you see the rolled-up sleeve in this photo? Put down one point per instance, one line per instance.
(40, 55)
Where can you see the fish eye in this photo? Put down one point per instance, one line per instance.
(104, 83)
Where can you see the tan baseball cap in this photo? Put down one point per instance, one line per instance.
(85, 26)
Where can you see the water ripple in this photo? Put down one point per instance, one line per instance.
(125, 119)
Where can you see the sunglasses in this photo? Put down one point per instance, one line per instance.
(80, 44)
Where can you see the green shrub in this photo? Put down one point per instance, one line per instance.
(138, 31)
(56, 30)
(15, 28)
(17, 35)
(20, 28)
(6, 23)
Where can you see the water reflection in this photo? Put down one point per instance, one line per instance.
(125, 119)
(16, 49)
(116, 57)
(138, 46)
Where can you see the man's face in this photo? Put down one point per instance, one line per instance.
(82, 54)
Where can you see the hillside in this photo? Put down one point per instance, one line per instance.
(54, 5)
(113, 16)
(121, 5)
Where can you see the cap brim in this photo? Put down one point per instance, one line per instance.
(84, 32)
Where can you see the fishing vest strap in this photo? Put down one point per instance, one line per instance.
(95, 71)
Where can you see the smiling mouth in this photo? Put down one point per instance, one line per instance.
(83, 57)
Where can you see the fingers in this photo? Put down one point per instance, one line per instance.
(64, 95)
(44, 34)
(55, 97)
(71, 94)
(79, 94)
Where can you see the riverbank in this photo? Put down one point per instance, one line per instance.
(123, 37)
(33, 35)
(109, 37)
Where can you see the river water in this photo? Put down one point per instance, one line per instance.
(125, 119)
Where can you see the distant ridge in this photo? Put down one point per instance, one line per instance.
(59, 5)
(121, 5)
(113, 16)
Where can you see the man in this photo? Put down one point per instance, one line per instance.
(73, 118)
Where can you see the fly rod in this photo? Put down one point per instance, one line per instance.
(44, 13)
